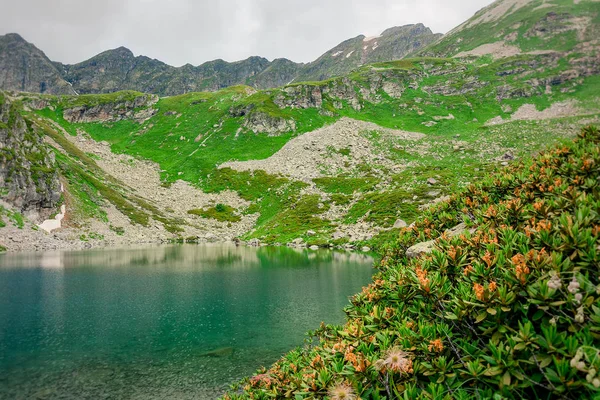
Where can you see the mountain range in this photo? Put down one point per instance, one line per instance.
(24, 67)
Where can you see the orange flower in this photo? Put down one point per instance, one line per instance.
(479, 291)
(423, 280)
(492, 286)
(491, 212)
(521, 268)
(452, 252)
(436, 345)
(488, 259)
(587, 164)
(468, 269)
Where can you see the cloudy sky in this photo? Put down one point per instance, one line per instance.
(195, 31)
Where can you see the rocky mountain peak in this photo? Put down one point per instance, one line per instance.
(119, 69)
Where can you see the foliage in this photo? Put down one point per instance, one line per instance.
(220, 212)
(511, 310)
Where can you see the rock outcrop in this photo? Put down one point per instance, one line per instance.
(25, 68)
(29, 179)
(137, 107)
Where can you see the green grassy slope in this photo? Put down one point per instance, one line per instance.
(537, 25)
(191, 135)
(510, 310)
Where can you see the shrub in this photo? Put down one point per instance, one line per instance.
(509, 311)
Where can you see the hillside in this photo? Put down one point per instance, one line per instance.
(25, 68)
(344, 162)
(510, 27)
(503, 304)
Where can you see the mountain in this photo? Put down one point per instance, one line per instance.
(392, 44)
(23, 67)
(119, 69)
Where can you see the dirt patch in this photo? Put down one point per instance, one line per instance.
(331, 150)
(528, 112)
(497, 10)
(497, 50)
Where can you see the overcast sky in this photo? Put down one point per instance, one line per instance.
(194, 31)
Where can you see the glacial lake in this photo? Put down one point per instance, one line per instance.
(177, 322)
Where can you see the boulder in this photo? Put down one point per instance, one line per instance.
(432, 181)
(400, 224)
(458, 230)
(420, 249)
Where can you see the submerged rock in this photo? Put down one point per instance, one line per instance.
(220, 352)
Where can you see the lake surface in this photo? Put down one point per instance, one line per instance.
(138, 323)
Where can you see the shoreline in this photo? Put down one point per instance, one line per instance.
(69, 239)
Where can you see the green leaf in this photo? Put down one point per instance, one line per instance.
(506, 378)
(482, 315)
(451, 316)
(492, 311)
(539, 314)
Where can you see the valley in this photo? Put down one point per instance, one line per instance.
(467, 162)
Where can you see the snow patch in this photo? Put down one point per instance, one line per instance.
(349, 54)
(337, 53)
(371, 38)
(51, 224)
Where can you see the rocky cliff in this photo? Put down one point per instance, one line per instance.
(29, 179)
(393, 44)
(25, 68)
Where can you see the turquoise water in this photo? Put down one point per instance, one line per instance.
(177, 322)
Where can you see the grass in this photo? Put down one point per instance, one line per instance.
(220, 212)
(16, 218)
(519, 24)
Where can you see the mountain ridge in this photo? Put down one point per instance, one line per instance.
(119, 69)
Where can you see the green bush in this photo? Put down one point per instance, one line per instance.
(511, 310)
(220, 212)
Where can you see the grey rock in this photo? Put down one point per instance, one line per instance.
(400, 224)
(432, 181)
(254, 242)
(30, 176)
(338, 235)
(420, 249)
(458, 230)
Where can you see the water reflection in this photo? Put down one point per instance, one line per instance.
(140, 322)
